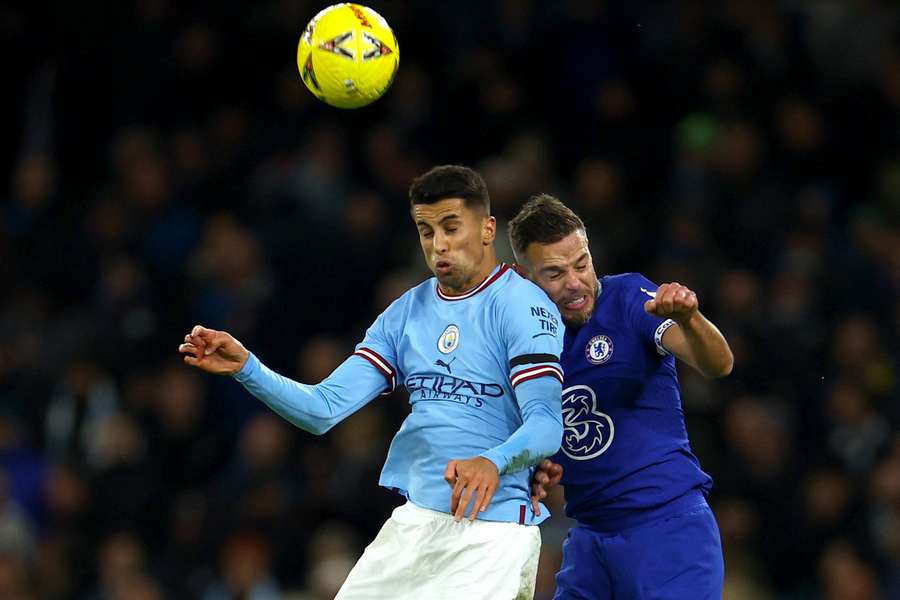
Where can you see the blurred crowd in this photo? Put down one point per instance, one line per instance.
(165, 167)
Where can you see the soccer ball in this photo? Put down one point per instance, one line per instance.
(348, 55)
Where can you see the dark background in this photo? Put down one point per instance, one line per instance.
(164, 166)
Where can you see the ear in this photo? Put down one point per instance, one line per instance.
(488, 231)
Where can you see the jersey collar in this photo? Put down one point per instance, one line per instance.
(494, 276)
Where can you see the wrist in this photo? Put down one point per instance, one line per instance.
(689, 321)
(247, 367)
(495, 459)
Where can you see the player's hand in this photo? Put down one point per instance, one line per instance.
(473, 479)
(673, 301)
(213, 351)
(547, 475)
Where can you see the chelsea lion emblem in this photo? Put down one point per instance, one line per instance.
(599, 349)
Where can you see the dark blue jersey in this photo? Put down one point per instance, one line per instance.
(625, 448)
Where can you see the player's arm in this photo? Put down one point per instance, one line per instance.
(531, 331)
(541, 431)
(539, 436)
(313, 408)
(695, 340)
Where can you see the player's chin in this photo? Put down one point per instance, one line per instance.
(449, 278)
(576, 318)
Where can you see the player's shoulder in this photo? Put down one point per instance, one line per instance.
(627, 284)
(517, 290)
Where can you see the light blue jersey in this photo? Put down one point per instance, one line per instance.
(483, 375)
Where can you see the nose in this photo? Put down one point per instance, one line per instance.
(440, 242)
(572, 281)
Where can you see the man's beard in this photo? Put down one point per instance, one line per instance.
(576, 320)
(452, 281)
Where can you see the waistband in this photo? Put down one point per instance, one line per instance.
(414, 514)
(633, 518)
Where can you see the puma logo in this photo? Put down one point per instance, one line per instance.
(441, 363)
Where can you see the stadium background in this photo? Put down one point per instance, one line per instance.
(164, 166)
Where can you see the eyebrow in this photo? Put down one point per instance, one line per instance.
(558, 269)
(447, 218)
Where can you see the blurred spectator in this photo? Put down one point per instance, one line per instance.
(245, 565)
(85, 400)
(17, 537)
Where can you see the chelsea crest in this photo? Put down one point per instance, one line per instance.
(599, 349)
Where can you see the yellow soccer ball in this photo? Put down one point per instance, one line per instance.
(348, 55)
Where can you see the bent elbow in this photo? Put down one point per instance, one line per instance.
(556, 437)
(318, 427)
(724, 368)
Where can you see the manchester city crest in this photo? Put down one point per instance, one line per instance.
(449, 340)
(599, 349)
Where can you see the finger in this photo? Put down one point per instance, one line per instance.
(191, 360)
(486, 500)
(450, 473)
(556, 473)
(546, 464)
(189, 349)
(651, 306)
(204, 334)
(687, 300)
(212, 346)
(478, 506)
(541, 478)
(455, 495)
(536, 488)
(460, 511)
(667, 302)
(536, 506)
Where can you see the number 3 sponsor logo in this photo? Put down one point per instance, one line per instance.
(587, 432)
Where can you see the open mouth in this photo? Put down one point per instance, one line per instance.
(576, 303)
(442, 266)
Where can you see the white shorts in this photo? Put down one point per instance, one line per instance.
(422, 554)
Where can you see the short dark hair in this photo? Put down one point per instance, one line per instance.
(451, 181)
(543, 220)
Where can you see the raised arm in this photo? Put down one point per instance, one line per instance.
(696, 340)
(313, 408)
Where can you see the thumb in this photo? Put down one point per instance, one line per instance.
(450, 473)
(650, 306)
(213, 345)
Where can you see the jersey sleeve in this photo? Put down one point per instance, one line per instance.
(532, 331)
(379, 346)
(650, 327)
(370, 371)
(314, 408)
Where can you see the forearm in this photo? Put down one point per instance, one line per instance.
(313, 408)
(706, 346)
(541, 431)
